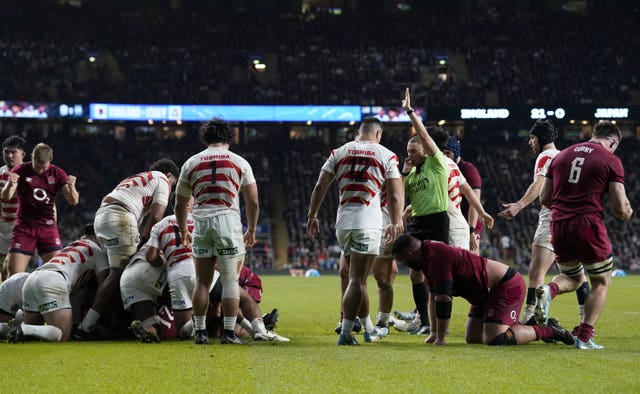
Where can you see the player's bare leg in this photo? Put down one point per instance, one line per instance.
(541, 260)
(205, 267)
(384, 272)
(17, 262)
(360, 266)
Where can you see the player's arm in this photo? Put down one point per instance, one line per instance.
(395, 198)
(620, 204)
(444, 304)
(155, 215)
(406, 214)
(317, 197)
(69, 191)
(533, 191)
(153, 256)
(250, 197)
(181, 211)
(472, 217)
(546, 192)
(429, 146)
(474, 201)
(9, 189)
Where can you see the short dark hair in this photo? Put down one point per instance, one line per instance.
(401, 244)
(545, 131)
(165, 166)
(606, 129)
(440, 136)
(215, 131)
(15, 141)
(88, 230)
(369, 123)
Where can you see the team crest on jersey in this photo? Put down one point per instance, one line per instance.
(227, 251)
(51, 180)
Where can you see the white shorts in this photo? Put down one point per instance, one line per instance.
(6, 228)
(542, 236)
(460, 237)
(365, 241)
(182, 279)
(11, 293)
(45, 291)
(141, 281)
(219, 235)
(117, 232)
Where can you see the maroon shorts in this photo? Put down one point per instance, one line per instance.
(582, 238)
(504, 303)
(251, 282)
(26, 240)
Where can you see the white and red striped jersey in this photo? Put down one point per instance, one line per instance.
(456, 179)
(215, 177)
(138, 192)
(360, 169)
(540, 169)
(9, 208)
(77, 258)
(386, 219)
(165, 236)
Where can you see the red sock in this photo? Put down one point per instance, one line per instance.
(553, 290)
(585, 332)
(542, 332)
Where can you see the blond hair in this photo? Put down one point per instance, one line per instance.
(42, 153)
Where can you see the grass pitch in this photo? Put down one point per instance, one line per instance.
(313, 363)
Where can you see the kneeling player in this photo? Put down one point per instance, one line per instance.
(495, 292)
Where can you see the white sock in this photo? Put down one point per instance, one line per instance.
(200, 322)
(187, 330)
(258, 325)
(367, 323)
(90, 319)
(384, 317)
(581, 312)
(246, 324)
(19, 316)
(4, 329)
(150, 321)
(347, 325)
(229, 323)
(46, 332)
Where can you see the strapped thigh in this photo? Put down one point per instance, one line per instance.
(572, 269)
(601, 269)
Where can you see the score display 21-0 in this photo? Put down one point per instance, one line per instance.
(542, 113)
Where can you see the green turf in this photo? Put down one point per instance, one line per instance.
(312, 362)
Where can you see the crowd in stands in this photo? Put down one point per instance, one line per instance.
(149, 52)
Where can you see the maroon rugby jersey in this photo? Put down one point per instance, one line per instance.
(37, 194)
(581, 175)
(466, 272)
(472, 175)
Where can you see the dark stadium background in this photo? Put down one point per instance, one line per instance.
(574, 62)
